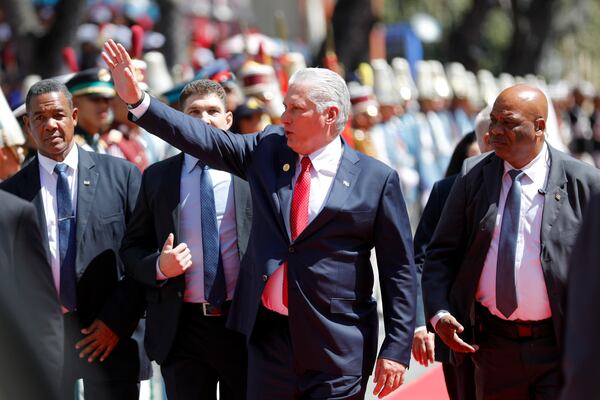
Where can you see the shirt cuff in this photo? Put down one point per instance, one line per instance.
(159, 275)
(142, 108)
(434, 320)
(420, 329)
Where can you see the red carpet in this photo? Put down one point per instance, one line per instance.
(429, 386)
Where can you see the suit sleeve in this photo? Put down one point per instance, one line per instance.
(126, 305)
(443, 255)
(43, 322)
(423, 235)
(139, 249)
(581, 352)
(217, 148)
(397, 278)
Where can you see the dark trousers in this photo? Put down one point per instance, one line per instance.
(271, 372)
(460, 380)
(113, 379)
(205, 352)
(516, 368)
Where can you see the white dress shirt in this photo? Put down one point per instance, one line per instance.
(532, 296)
(48, 180)
(190, 228)
(325, 163)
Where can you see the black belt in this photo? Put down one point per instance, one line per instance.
(514, 329)
(208, 310)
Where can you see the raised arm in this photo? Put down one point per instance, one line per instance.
(123, 72)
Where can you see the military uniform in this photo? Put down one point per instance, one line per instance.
(94, 83)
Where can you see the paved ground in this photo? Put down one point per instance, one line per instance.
(414, 372)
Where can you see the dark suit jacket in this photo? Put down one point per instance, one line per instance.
(332, 313)
(581, 352)
(459, 246)
(106, 191)
(31, 337)
(427, 224)
(155, 216)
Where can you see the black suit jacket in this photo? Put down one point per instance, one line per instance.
(429, 221)
(31, 333)
(459, 246)
(155, 216)
(581, 352)
(332, 313)
(106, 191)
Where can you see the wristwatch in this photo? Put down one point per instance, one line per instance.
(137, 103)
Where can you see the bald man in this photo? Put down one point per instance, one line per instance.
(494, 274)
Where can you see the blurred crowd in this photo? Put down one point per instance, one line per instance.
(408, 116)
(420, 119)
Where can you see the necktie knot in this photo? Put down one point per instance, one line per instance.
(516, 174)
(305, 162)
(201, 165)
(60, 168)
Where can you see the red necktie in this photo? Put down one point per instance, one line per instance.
(299, 212)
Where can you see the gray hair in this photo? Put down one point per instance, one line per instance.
(482, 125)
(327, 89)
(48, 86)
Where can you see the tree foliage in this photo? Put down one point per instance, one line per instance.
(516, 36)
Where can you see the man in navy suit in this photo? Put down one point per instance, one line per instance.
(100, 309)
(185, 333)
(304, 297)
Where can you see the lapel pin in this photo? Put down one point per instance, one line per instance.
(286, 167)
(557, 196)
(86, 183)
(346, 183)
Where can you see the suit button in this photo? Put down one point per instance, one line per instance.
(291, 249)
(179, 294)
(264, 278)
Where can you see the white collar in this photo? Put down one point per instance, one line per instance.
(72, 159)
(326, 158)
(536, 168)
(189, 163)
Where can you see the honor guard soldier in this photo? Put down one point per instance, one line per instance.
(92, 91)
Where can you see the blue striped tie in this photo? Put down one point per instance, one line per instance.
(215, 291)
(66, 239)
(506, 292)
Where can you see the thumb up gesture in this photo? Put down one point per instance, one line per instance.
(173, 261)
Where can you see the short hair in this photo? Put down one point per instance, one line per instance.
(202, 87)
(327, 89)
(47, 86)
(482, 123)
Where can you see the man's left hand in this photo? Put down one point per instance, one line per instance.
(389, 375)
(100, 341)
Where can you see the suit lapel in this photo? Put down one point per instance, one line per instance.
(341, 187)
(171, 188)
(492, 180)
(30, 190)
(87, 182)
(556, 193)
(287, 163)
(241, 196)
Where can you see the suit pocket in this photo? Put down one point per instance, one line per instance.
(111, 218)
(341, 306)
